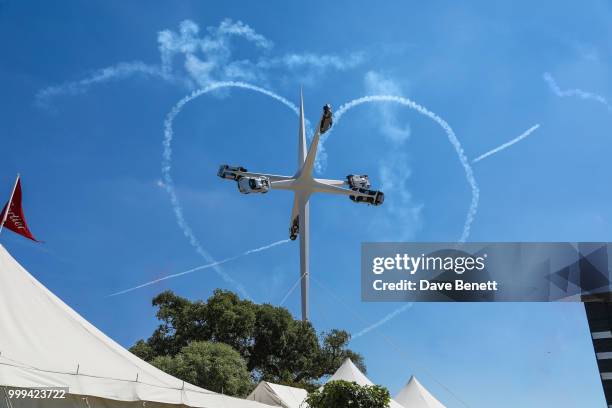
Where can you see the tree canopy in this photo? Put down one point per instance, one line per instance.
(217, 365)
(349, 394)
(225, 330)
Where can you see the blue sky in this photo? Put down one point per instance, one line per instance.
(86, 87)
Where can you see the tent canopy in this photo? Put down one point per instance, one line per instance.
(278, 395)
(348, 371)
(414, 395)
(44, 343)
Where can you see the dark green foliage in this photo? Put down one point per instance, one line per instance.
(217, 365)
(334, 352)
(337, 394)
(180, 323)
(284, 350)
(275, 346)
(143, 350)
(229, 320)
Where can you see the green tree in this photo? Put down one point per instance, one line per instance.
(349, 394)
(215, 366)
(143, 350)
(275, 346)
(180, 323)
(284, 350)
(230, 320)
(224, 318)
(334, 350)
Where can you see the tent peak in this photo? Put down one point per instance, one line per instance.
(284, 396)
(415, 395)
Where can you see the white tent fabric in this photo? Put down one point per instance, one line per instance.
(414, 395)
(279, 395)
(349, 372)
(44, 343)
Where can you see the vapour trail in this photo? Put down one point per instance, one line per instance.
(201, 267)
(507, 144)
(469, 174)
(382, 321)
(117, 71)
(574, 92)
(292, 289)
(168, 182)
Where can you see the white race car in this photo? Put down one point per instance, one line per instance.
(248, 185)
(357, 181)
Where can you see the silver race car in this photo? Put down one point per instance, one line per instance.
(358, 181)
(248, 185)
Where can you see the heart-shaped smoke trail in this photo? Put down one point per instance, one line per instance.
(168, 182)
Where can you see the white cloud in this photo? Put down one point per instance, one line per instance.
(208, 58)
(240, 29)
(242, 70)
(194, 57)
(171, 43)
(376, 83)
(321, 61)
(201, 71)
(402, 217)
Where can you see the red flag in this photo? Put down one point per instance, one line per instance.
(14, 220)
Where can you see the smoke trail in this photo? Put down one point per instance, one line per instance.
(469, 174)
(118, 71)
(382, 321)
(507, 144)
(201, 267)
(168, 182)
(574, 92)
(292, 289)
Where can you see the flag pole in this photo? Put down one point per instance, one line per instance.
(8, 205)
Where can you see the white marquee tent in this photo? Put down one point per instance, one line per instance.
(44, 343)
(349, 372)
(278, 395)
(414, 395)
